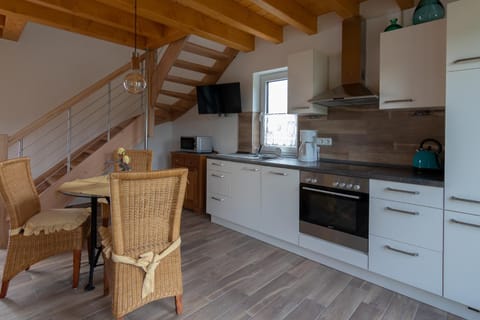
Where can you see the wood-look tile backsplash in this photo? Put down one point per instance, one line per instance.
(372, 135)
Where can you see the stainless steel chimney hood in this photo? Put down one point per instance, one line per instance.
(352, 92)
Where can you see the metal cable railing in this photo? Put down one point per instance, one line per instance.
(58, 140)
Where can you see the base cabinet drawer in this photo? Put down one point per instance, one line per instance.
(409, 193)
(219, 182)
(419, 267)
(404, 222)
(462, 258)
(219, 205)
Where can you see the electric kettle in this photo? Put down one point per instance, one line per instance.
(426, 158)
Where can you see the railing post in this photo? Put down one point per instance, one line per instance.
(109, 111)
(145, 114)
(69, 139)
(20, 148)
(3, 214)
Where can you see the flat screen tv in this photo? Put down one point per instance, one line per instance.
(219, 98)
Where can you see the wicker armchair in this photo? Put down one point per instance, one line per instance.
(26, 247)
(146, 211)
(140, 160)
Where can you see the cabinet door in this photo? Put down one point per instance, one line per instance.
(280, 203)
(462, 258)
(462, 175)
(307, 77)
(463, 35)
(246, 195)
(191, 198)
(412, 66)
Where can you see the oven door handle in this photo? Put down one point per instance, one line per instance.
(332, 193)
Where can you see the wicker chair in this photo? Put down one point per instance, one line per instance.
(23, 207)
(140, 160)
(146, 211)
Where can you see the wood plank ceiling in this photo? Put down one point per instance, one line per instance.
(233, 23)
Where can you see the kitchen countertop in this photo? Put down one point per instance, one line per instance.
(348, 168)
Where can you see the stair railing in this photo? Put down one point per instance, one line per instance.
(55, 137)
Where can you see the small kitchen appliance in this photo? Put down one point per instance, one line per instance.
(308, 147)
(198, 144)
(426, 158)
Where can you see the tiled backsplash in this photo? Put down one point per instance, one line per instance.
(372, 135)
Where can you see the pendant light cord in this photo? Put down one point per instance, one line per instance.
(135, 27)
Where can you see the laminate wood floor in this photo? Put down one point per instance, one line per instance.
(227, 275)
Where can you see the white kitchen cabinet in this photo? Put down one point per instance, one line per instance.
(462, 258)
(307, 77)
(463, 35)
(280, 203)
(462, 176)
(246, 194)
(412, 66)
(219, 183)
(406, 233)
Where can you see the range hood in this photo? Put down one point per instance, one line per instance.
(353, 91)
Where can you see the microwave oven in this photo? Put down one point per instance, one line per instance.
(199, 144)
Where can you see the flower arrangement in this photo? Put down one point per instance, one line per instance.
(123, 160)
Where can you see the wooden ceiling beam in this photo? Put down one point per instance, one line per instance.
(189, 21)
(104, 14)
(56, 19)
(238, 16)
(13, 27)
(405, 4)
(292, 13)
(345, 8)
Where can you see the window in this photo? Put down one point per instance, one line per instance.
(278, 128)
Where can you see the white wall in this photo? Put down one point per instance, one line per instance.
(46, 67)
(160, 144)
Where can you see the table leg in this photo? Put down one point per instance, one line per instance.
(93, 243)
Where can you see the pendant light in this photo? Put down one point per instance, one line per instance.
(134, 81)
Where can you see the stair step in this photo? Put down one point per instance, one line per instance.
(204, 51)
(195, 67)
(178, 95)
(185, 81)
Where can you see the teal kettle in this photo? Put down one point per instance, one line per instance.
(426, 158)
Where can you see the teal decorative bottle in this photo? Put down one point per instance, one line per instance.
(428, 10)
(393, 25)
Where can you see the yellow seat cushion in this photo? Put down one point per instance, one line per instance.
(53, 220)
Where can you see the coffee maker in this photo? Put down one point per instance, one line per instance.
(308, 146)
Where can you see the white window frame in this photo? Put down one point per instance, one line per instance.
(264, 78)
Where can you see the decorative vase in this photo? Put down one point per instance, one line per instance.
(393, 25)
(428, 10)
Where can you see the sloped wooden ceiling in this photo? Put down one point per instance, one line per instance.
(233, 23)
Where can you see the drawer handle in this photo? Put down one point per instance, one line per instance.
(413, 213)
(398, 101)
(401, 190)
(217, 199)
(251, 169)
(465, 223)
(412, 254)
(278, 173)
(217, 164)
(465, 200)
(300, 108)
(466, 60)
(218, 175)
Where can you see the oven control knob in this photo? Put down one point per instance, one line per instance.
(342, 185)
(349, 186)
(314, 180)
(356, 187)
(308, 180)
(335, 184)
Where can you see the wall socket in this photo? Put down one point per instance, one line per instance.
(324, 141)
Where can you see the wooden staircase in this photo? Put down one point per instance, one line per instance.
(165, 77)
(55, 173)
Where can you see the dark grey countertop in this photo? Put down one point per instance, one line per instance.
(347, 168)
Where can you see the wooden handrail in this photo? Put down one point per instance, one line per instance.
(68, 104)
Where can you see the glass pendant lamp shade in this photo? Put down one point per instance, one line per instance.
(134, 81)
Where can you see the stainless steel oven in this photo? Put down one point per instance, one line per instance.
(335, 208)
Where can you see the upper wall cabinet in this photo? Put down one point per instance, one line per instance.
(463, 36)
(412, 66)
(307, 77)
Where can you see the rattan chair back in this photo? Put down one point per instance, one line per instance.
(140, 160)
(146, 209)
(18, 191)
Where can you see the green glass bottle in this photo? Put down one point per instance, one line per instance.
(393, 25)
(428, 10)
